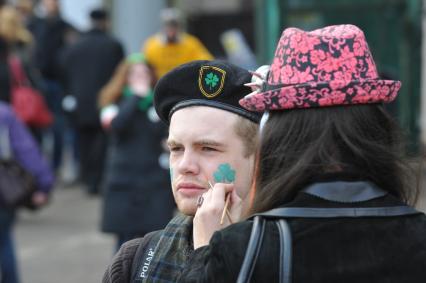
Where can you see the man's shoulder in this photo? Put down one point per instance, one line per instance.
(127, 258)
(189, 38)
(154, 41)
(143, 241)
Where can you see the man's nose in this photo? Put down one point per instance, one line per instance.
(189, 163)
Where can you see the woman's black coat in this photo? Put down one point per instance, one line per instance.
(391, 250)
(137, 192)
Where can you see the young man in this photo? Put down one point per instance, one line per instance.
(212, 139)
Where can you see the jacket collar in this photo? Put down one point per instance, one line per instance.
(345, 192)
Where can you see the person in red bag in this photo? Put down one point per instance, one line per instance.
(27, 101)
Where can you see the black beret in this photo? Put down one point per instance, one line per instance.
(215, 83)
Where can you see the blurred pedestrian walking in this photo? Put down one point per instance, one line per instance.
(137, 195)
(52, 33)
(172, 46)
(26, 153)
(22, 72)
(88, 65)
(4, 68)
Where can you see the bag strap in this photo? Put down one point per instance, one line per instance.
(18, 76)
(143, 255)
(285, 251)
(314, 212)
(252, 251)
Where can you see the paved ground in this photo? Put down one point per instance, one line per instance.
(62, 243)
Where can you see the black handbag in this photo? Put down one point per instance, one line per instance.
(16, 184)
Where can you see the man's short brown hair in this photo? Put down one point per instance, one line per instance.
(248, 132)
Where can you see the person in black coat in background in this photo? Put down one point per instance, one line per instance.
(88, 65)
(137, 195)
(52, 34)
(330, 157)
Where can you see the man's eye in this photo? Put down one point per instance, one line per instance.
(175, 148)
(207, 148)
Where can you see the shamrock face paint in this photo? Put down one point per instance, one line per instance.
(224, 174)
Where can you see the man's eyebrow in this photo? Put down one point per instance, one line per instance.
(172, 143)
(209, 143)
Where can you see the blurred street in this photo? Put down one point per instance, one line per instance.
(62, 243)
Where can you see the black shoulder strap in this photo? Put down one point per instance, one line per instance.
(285, 250)
(252, 251)
(314, 212)
(143, 256)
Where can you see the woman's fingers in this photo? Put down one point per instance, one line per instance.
(219, 192)
(208, 215)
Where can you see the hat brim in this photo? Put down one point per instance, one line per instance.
(325, 94)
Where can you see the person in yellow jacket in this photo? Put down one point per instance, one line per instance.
(172, 46)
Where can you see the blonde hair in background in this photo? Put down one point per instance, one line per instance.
(12, 28)
(111, 92)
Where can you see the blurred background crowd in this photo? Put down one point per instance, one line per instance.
(76, 81)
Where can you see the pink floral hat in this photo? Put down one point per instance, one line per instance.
(325, 67)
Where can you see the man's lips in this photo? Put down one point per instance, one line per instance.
(190, 188)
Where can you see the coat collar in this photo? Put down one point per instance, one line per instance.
(345, 192)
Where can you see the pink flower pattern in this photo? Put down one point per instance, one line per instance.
(325, 67)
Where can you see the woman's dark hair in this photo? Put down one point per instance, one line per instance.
(298, 146)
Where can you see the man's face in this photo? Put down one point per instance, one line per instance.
(171, 31)
(51, 6)
(205, 148)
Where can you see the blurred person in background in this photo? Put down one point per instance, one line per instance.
(4, 67)
(172, 46)
(26, 10)
(13, 30)
(52, 33)
(88, 65)
(13, 35)
(20, 45)
(136, 197)
(27, 154)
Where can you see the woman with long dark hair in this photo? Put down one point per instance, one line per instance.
(332, 191)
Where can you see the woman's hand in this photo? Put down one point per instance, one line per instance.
(108, 113)
(207, 218)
